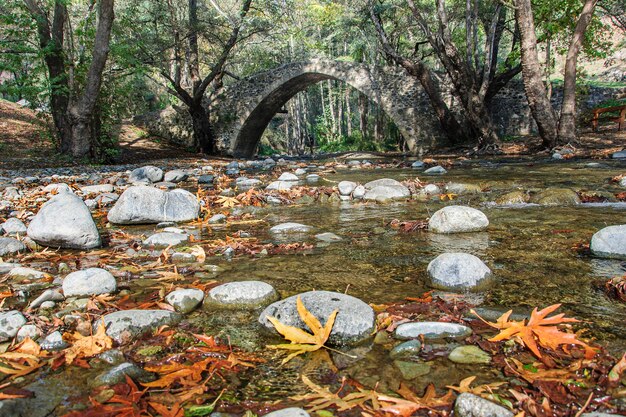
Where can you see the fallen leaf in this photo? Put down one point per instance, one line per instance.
(301, 341)
(87, 346)
(540, 330)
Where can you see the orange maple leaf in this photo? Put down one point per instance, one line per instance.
(540, 330)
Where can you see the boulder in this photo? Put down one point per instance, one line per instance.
(146, 175)
(64, 221)
(91, 281)
(280, 185)
(385, 189)
(458, 271)
(288, 176)
(458, 219)
(354, 322)
(610, 242)
(141, 204)
(125, 325)
(241, 295)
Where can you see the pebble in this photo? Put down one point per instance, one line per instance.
(10, 324)
(185, 300)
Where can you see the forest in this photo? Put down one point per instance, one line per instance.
(312, 208)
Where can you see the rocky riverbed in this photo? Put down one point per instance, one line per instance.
(186, 261)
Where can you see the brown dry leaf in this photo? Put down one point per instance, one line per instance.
(410, 402)
(616, 372)
(465, 386)
(199, 253)
(87, 346)
(21, 361)
(540, 329)
(301, 341)
(227, 202)
(322, 398)
(538, 371)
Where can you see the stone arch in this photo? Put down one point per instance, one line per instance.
(244, 109)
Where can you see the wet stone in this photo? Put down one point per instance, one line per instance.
(470, 405)
(514, 197)
(54, 341)
(91, 281)
(10, 324)
(406, 349)
(469, 354)
(241, 295)
(412, 370)
(47, 295)
(185, 300)
(175, 176)
(217, 218)
(97, 189)
(165, 239)
(290, 227)
(206, 179)
(280, 185)
(22, 273)
(557, 197)
(458, 271)
(460, 188)
(7, 266)
(346, 187)
(436, 170)
(458, 219)
(118, 374)
(288, 176)
(432, 330)
(126, 325)
(610, 242)
(354, 322)
(28, 331)
(328, 237)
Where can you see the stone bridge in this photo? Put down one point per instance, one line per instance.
(243, 110)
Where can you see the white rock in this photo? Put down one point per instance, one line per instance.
(458, 219)
(91, 281)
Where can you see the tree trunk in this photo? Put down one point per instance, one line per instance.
(202, 131)
(536, 93)
(567, 121)
(363, 110)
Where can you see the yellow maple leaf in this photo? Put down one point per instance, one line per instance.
(227, 202)
(302, 341)
(465, 386)
(87, 346)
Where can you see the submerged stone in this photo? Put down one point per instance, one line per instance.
(469, 354)
(610, 242)
(126, 325)
(458, 271)
(431, 330)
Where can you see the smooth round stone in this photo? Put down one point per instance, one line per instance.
(469, 354)
(241, 295)
(436, 170)
(619, 155)
(417, 165)
(22, 272)
(431, 189)
(290, 228)
(458, 271)
(312, 178)
(118, 374)
(346, 187)
(97, 189)
(383, 194)
(206, 179)
(92, 281)
(59, 188)
(288, 176)
(125, 325)
(165, 239)
(280, 185)
(54, 341)
(458, 219)
(28, 331)
(514, 197)
(432, 330)
(610, 242)
(354, 322)
(144, 205)
(300, 171)
(557, 197)
(6, 267)
(359, 192)
(383, 182)
(217, 218)
(470, 405)
(412, 370)
(406, 349)
(185, 300)
(175, 176)
(288, 412)
(328, 237)
(10, 323)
